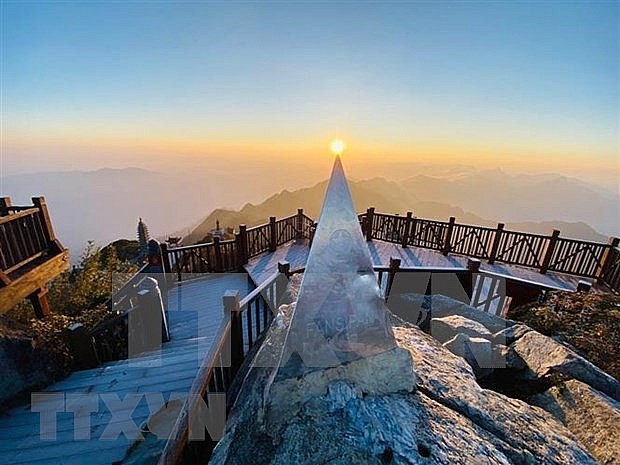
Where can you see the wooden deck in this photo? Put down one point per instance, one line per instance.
(296, 253)
(195, 314)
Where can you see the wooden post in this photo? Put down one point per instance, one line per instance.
(5, 203)
(233, 311)
(156, 268)
(553, 239)
(284, 267)
(496, 239)
(312, 231)
(40, 303)
(242, 246)
(473, 265)
(446, 246)
(40, 203)
(584, 286)
(407, 229)
(473, 268)
(394, 267)
(272, 234)
(218, 268)
(299, 226)
(370, 213)
(281, 284)
(165, 258)
(82, 348)
(606, 259)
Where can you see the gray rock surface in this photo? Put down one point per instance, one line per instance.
(23, 367)
(545, 356)
(510, 334)
(439, 306)
(592, 416)
(445, 328)
(476, 351)
(449, 419)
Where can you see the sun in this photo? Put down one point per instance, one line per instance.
(337, 146)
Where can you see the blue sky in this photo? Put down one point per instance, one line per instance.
(510, 80)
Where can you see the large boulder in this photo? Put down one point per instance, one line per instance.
(23, 367)
(526, 434)
(439, 306)
(544, 357)
(590, 415)
(449, 419)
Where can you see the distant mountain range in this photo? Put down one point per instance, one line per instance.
(415, 195)
(104, 205)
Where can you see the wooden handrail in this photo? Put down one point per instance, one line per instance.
(179, 434)
(16, 216)
(543, 252)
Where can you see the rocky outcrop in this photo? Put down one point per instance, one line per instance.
(592, 416)
(23, 367)
(545, 356)
(448, 419)
(477, 352)
(445, 328)
(439, 306)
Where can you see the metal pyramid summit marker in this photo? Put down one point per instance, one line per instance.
(340, 315)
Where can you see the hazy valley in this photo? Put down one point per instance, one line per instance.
(104, 205)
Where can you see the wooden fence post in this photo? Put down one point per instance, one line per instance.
(165, 258)
(446, 245)
(496, 239)
(312, 231)
(40, 203)
(233, 311)
(407, 230)
(242, 246)
(281, 283)
(473, 268)
(273, 245)
(218, 255)
(284, 267)
(606, 259)
(39, 302)
(5, 203)
(299, 224)
(394, 267)
(584, 286)
(370, 214)
(553, 239)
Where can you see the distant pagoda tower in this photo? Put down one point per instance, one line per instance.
(143, 239)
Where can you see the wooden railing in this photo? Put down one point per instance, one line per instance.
(126, 297)
(545, 253)
(24, 234)
(517, 248)
(246, 323)
(542, 252)
(229, 256)
(30, 254)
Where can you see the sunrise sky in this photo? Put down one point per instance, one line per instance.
(115, 84)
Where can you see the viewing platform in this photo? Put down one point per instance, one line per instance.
(195, 318)
(204, 317)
